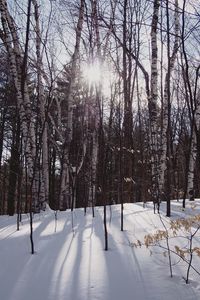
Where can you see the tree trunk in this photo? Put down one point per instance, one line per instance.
(153, 103)
(14, 168)
(166, 122)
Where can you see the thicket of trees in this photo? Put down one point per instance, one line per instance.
(100, 102)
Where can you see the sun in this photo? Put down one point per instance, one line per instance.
(92, 73)
(99, 74)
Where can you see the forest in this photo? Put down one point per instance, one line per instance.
(99, 149)
(99, 103)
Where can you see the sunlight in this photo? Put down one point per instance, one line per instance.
(101, 74)
(92, 73)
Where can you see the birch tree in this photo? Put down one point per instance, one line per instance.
(65, 172)
(153, 102)
(18, 62)
(167, 102)
(42, 107)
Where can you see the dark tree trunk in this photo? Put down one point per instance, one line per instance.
(14, 168)
(168, 154)
(105, 227)
(19, 194)
(2, 135)
(128, 116)
(53, 203)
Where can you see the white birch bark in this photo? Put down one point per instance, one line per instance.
(154, 98)
(192, 160)
(41, 98)
(64, 187)
(97, 102)
(163, 146)
(193, 153)
(93, 116)
(15, 53)
(92, 189)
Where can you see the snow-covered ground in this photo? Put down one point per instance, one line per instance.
(74, 266)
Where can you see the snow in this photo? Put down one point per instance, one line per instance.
(73, 264)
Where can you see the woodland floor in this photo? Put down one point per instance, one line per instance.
(74, 266)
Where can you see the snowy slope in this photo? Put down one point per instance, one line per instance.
(74, 266)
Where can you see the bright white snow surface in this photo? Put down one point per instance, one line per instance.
(74, 266)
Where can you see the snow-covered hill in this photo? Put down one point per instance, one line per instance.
(74, 266)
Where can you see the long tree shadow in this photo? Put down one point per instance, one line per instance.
(75, 266)
(34, 273)
(123, 272)
(65, 276)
